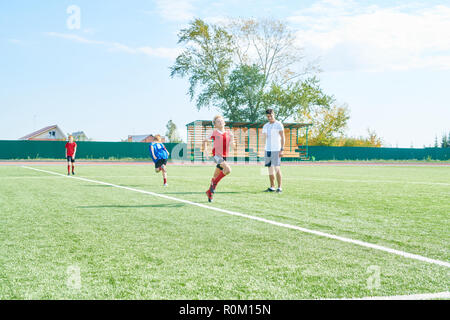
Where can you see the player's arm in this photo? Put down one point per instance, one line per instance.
(153, 153)
(74, 152)
(65, 152)
(282, 142)
(205, 146)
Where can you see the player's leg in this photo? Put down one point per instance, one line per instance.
(279, 176)
(217, 171)
(276, 161)
(164, 174)
(271, 178)
(68, 165)
(269, 165)
(224, 170)
(73, 165)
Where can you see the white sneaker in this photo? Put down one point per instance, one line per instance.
(279, 190)
(165, 185)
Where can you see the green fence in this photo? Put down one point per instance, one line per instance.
(12, 149)
(18, 149)
(362, 153)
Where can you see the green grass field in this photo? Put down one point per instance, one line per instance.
(129, 245)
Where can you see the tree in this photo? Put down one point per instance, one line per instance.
(247, 66)
(436, 144)
(244, 94)
(444, 142)
(206, 60)
(172, 132)
(328, 125)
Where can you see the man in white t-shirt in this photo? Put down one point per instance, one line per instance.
(273, 131)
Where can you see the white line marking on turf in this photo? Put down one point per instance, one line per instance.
(284, 225)
(422, 296)
(378, 181)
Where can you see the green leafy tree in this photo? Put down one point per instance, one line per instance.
(244, 94)
(206, 61)
(329, 125)
(245, 67)
(172, 132)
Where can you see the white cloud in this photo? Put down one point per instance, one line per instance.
(175, 10)
(350, 36)
(168, 53)
(75, 38)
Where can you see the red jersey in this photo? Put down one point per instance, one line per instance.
(70, 148)
(221, 143)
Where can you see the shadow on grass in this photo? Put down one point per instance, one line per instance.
(162, 205)
(122, 185)
(219, 192)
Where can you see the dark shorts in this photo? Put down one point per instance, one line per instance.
(70, 159)
(160, 162)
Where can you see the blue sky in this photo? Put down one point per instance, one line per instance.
(388, 60)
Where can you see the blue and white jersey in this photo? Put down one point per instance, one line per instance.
(159, 150)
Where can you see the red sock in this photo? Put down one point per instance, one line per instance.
(68, 168)
(219, 177)
(73, 168)
(165, 180)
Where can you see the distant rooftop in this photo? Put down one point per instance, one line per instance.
(38, 132)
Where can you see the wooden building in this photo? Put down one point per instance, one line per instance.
(249, 144)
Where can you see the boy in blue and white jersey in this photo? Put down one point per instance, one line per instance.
(159, 155)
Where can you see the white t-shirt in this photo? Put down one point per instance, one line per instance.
(273, 138)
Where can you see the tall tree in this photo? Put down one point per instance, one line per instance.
(206, 61)
(246, 66)
(444, 142)
(172, 132)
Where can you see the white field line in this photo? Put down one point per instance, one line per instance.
(376, 181)
(284, 225)
(422, 296)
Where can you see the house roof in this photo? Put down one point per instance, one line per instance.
(38, 132)
(139, 138)
(247, 124)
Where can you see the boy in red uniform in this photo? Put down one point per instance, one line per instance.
(221, 139)
(71, 150)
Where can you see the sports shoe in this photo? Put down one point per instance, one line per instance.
(269, 190)
(165, 185)
(209, 194)
(73, 173)
(279, 190)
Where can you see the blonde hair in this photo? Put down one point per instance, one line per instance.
(158, 138)
(217, 117)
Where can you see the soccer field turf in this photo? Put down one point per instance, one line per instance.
(131, 245)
